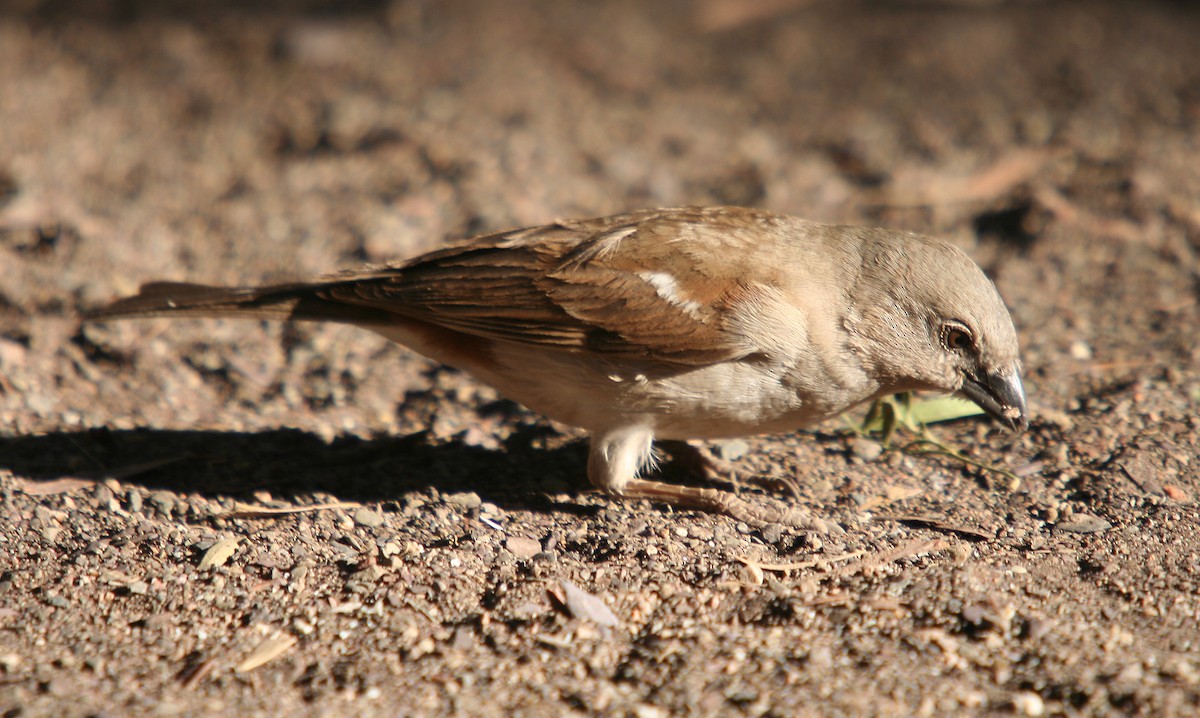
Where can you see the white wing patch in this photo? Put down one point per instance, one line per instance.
(667, 288)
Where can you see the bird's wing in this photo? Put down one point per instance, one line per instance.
(655, 285)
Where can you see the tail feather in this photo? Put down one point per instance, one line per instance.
(281, 302)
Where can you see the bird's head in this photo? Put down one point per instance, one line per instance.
(936, 322)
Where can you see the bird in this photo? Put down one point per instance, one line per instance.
(687, 323)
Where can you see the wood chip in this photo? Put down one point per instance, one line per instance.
(267, 651)
(53, 486)
(251, 511)
(984, 185)
(822, 563)
(908, 550)
(1083, 524)
(191, 676)
(219, 553)
(894, 493)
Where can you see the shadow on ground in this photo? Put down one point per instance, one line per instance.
(292, 464)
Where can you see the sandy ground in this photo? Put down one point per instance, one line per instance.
(433, 547)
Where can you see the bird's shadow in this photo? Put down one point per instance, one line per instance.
(291, 464)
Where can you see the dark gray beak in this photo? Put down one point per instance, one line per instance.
(1002, 396)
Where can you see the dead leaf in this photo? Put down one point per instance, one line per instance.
(219, 553)
(267, 651)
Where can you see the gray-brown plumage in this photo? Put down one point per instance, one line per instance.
(671, 323)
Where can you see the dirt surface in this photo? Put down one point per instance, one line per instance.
(435, 546)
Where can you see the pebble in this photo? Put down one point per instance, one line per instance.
(522, 547)
(368, 518)
(771, 533)
(1029, 704)
(732, 450)
(164, 501)
(1081, 523)
(866, 449)
(103, 494)
(464, 499)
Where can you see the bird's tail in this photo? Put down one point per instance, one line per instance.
(297, 301)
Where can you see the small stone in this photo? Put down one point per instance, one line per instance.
(1080, 350)
(1081, 523)
(1029, 704)
(1039, 628)
(588, 606)
(1175, 493)
(1131, 673)
(522, 547)
(821, 486)
(975, 614)
(164, 501)
(820, 657)
(134, 501)
(1183, 670)
(103, 494)
(771, 533)
(751, 574)
(527, 610)
(464, 499)
(364, 581)
(139, 588)
(368, 518)
(732, 449)
(866, 449)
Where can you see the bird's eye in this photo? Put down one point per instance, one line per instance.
(958, 338)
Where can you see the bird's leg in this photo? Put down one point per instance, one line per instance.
(616, 457)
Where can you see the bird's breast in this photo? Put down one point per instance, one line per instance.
(762, 394)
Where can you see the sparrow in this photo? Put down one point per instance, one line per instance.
(681, 323)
